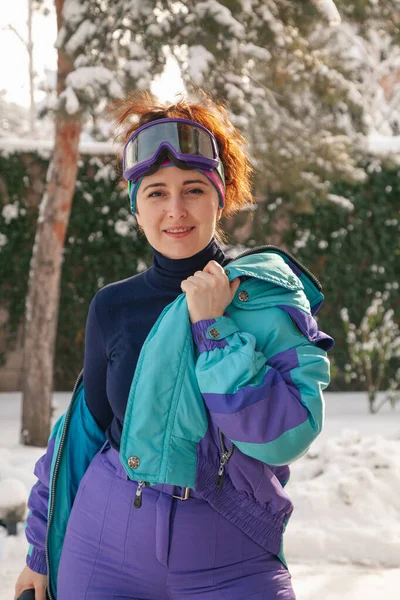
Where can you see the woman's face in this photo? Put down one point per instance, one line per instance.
(172, 199)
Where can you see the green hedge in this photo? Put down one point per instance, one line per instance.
(102, 246)
(353, 253)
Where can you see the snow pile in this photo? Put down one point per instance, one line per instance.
(383, 144)
(16, 480)
(13, 496)
(347, 502)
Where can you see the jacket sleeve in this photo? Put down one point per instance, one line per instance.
(268, 401)
(36, 522)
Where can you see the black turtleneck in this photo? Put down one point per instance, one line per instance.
(120, 317)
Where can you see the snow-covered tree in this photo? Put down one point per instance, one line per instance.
(372, 345)
(367, 45)
(103, 48)
(14, 119)
(302, 114)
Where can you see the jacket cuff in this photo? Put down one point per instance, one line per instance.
(210, 334)
(37, 561)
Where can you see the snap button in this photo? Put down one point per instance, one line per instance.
(227, 271)
(214, 332)
(243, 296)
(291, 282)
(201, 337)
(133, 462)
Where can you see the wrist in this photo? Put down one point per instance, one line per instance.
(197, 318)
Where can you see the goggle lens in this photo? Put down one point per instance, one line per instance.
(183, 137)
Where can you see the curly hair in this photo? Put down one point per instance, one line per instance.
(141, 107)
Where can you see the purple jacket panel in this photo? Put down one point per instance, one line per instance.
(251, 497)
(254, 419)
(309, 327)
(36, 522)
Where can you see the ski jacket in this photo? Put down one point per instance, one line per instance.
(222, 406)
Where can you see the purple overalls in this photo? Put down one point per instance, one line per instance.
(168, 549)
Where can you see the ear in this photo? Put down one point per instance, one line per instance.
(219, 214)
(138, 218)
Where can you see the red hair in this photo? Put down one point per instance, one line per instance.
(144, 107)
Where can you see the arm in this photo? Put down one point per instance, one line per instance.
(36, 522)
(95, 370)
(269, 402)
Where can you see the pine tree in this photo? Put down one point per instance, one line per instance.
(300, 113)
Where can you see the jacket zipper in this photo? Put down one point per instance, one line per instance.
(137, 503)
(53, 481)
(225, 457)
(259, 249)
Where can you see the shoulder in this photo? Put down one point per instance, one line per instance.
(117, 293)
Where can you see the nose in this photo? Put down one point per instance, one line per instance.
(176, 207)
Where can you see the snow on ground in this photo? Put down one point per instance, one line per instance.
(343, 540)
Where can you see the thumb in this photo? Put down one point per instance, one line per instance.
(234, 284)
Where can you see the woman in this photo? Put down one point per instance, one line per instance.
(170, 485)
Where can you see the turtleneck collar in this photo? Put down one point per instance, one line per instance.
(168, 273)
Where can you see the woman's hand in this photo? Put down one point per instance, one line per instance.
(27, 580)
(208, 292)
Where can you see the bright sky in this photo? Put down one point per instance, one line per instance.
(14, 58)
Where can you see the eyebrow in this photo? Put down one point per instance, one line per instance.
(151, 185)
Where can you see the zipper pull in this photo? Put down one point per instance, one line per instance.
(220, 477)
(138, 496)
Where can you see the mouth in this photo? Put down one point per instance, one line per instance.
(178, 232)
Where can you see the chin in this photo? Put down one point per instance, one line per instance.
(182, 249)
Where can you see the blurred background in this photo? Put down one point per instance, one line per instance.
(314, 87)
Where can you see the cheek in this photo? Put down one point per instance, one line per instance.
(145, 215)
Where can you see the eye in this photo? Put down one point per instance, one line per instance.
(196, 191)
(155, 194)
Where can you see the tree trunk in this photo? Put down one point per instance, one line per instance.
(42, 303)
(29, 47)
(371, 400)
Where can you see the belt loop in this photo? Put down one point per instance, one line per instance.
(184, 495)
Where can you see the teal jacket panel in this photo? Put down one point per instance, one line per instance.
(165, 447)
(78, 439)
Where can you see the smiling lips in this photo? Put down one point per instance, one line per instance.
(178, 231)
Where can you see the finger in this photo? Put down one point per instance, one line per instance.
(40, 593)
(187, 285)
(234, 285)
(201, 276)
(214, 268)
(204, 280)
(18, 591)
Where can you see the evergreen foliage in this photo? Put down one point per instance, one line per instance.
(101, 246)
(354, 253)
(372, 346)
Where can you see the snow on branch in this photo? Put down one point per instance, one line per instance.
(341, 201)
(11, 145)
(329, 9)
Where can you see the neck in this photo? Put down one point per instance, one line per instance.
(168, 273)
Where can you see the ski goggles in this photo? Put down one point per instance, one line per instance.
(187, 141)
